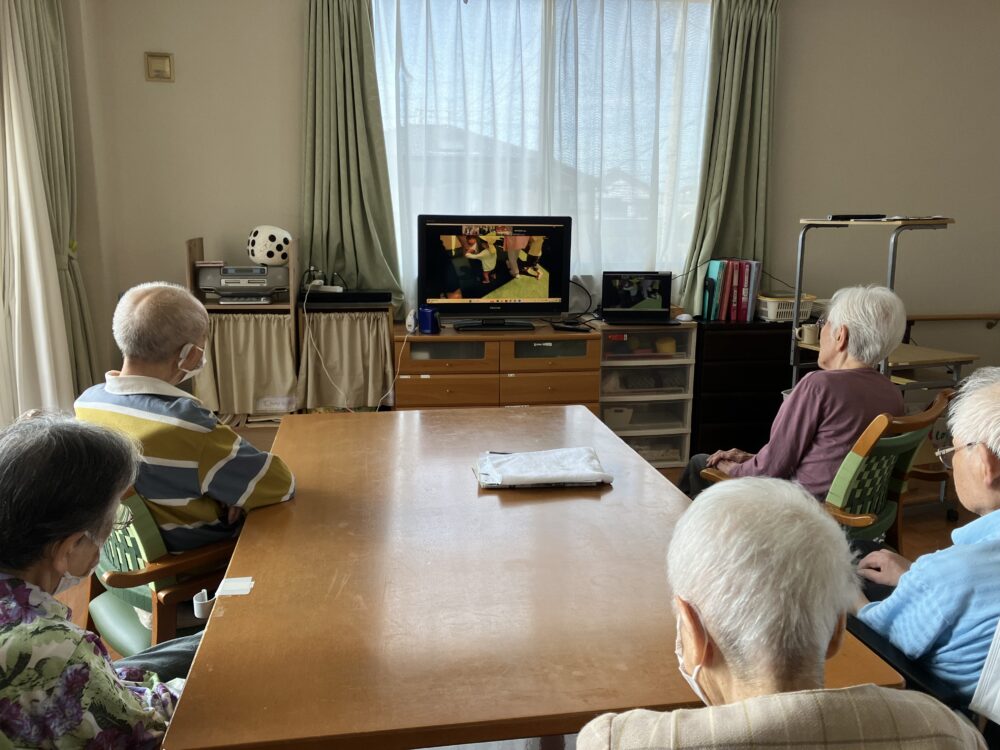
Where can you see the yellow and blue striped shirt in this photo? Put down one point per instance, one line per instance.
(193, 467)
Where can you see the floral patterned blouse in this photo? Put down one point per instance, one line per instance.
(58, 687)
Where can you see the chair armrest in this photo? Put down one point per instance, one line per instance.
(713, 475)
(170, 565)
(917, 676)
(854, 520)
(185, 590)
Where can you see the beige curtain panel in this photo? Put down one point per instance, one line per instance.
(732, 206)
(251, 365)
(357, 353)
(43, 36)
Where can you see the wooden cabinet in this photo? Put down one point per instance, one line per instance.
(647, 374)
(497, 369)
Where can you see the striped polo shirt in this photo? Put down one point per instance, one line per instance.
(192, 466)
(946, 607)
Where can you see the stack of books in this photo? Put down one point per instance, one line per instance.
(731, 288)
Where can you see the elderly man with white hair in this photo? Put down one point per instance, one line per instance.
(762, 580)
(945, 606)
(828, 410)
(197, 476)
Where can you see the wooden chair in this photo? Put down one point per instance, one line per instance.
(865, 494)
(136, 570)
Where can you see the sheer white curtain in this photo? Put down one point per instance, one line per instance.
(35, 368)
(589, 108)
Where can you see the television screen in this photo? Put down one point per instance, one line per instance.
(501, 265)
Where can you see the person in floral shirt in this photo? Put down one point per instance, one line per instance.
(61, 482)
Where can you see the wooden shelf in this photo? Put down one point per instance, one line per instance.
(938, 221)
(269, 307)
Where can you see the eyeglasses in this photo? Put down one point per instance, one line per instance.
(123, 519)
(947, 455)
(821, 321)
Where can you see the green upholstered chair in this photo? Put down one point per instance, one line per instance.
(865, 494)
(135, 570)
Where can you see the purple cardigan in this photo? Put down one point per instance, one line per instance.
(818, 423)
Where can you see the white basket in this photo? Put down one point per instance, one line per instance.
(778, 309)
(617, 417)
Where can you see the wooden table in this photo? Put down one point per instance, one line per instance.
(911, 356)
(397, 605)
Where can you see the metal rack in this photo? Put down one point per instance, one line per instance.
(898, 226)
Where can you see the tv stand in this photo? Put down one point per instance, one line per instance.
(493, 324)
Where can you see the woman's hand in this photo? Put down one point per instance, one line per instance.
(733, 454)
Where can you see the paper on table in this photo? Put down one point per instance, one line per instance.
(561, 467)
(235, 586)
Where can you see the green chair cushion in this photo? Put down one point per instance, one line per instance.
(119, 625)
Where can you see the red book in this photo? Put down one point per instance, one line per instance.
(734, 292)
(744, 291)
(727, 285)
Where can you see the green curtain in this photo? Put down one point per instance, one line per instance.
(732, 205)
(348, 205)
(43, 34)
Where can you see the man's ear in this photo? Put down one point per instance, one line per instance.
(991, 466)
(62, 552)
(703, 649)
(837, 640)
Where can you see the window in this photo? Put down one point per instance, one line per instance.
(589, 108)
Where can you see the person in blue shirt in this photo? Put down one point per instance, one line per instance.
(945, 606)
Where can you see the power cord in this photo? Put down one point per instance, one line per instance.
(395, 377)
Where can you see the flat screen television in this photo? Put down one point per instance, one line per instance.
(494, 271)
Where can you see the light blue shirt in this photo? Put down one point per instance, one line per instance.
(945, 609)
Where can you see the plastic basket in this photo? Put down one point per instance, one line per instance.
(778, 309)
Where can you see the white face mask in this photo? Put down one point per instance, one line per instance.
(69, 580)
(188, 374)
(690, 679)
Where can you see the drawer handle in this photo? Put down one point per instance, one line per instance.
(447, 364)
(447, 390)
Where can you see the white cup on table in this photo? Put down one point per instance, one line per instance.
(808, 333)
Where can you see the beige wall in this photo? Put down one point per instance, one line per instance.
(891, 106)
(881, 105)
(212, 154)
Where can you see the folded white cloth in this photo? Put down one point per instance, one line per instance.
(560, 468)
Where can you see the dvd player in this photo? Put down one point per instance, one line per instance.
(345, 300)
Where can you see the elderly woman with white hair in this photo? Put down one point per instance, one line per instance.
(197, 477)
(829, 409)
(762, 581)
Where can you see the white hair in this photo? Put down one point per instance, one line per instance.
(974, 416)
(153, 321)
(875, 320)
(769, 572)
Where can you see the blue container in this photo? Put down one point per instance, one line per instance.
(428, 320)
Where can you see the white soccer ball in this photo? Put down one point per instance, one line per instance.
(269, 245)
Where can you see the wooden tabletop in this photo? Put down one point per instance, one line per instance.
(398, 605)
(911, 355)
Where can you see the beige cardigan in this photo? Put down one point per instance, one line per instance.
(851, 718)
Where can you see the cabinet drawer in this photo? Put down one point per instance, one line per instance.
(647, 417)
(548, 355)
(648, 343)
(446, 390)
(661, 451)
(549, 388)
(655, 381)
(422, 356)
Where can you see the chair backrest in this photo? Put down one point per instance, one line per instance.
(131, 548)
(874, 473)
